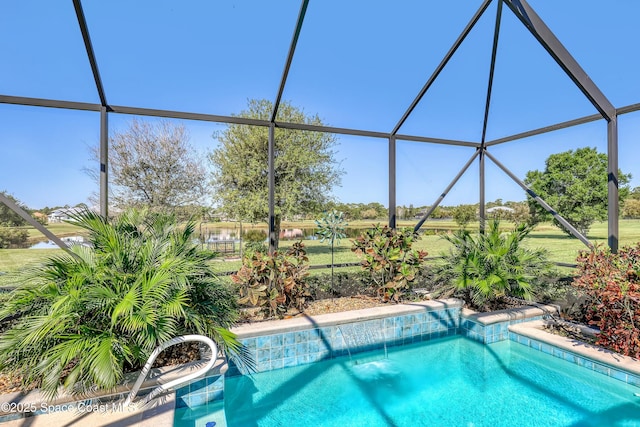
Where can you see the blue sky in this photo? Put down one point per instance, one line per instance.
(358, 64)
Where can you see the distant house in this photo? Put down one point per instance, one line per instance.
(40, 216)
(500, 210)
(60, 215)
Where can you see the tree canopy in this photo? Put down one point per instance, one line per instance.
(153, 164)
(575, 184)
(9, 218)
(305, 166)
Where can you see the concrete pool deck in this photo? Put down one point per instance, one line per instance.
(160, 415)
(605, 361)
(100, 410)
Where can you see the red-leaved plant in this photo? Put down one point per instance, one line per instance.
(275, 282)
(612, 284)
(387, 255)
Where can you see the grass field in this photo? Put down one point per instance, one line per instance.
(561, 247)
(61, 229)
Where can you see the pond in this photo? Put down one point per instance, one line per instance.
(69, 240)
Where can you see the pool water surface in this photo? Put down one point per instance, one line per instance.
(451, 381)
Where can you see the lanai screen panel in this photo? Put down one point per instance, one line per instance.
(47, 150)
(360, 64)
(453, 107)
(530, 90)
(609, 57)
(201, 56)
(42, 52)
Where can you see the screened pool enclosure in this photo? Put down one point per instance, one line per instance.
(338, 60)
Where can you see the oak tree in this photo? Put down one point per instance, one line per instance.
(574, 183)
(305, 166)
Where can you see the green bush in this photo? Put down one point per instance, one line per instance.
(254, 243)
(389, 259)
(252, 248)
(255, 235)
(86, 315)
(12, 237)
(489, 266)
(464, 214)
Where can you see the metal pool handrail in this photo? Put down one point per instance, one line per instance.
(163, 387)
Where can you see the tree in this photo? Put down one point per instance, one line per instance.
(575, 184)
(521, 213)
(305, 168)
(9, 218)
(634, 194)
(631, 209)
(13, 237)
(153, 164)
(464, 214)
(10, 236)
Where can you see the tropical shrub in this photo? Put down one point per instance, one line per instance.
(86, 315)
(388, 257)
(275, 282)
(493, 265)
(612, 285)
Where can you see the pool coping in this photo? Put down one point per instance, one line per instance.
(534, 331)
(252, 330)
(510, 314)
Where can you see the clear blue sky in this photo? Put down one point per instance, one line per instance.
(358, 64)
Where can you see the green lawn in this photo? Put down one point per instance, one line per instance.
(561, 247)
(61, 229)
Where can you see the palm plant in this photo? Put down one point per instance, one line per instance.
(85, 315)
(331, 227)
(493, 265)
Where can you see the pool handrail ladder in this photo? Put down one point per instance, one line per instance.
(179, 381)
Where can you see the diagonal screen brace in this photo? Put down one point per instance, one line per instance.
(41, 228)
(446, 191)
(541, 202)
(536, 26)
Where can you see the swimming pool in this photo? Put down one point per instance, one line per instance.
(451, 381)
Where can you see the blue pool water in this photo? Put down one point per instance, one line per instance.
(446, 382)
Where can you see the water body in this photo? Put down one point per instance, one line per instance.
(447, 382)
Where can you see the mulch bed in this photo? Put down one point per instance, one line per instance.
(570, 331)
(323, 306)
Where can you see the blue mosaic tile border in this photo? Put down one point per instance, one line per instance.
(576, 359)
(494, 332)
(287, 349)
(200, 392)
